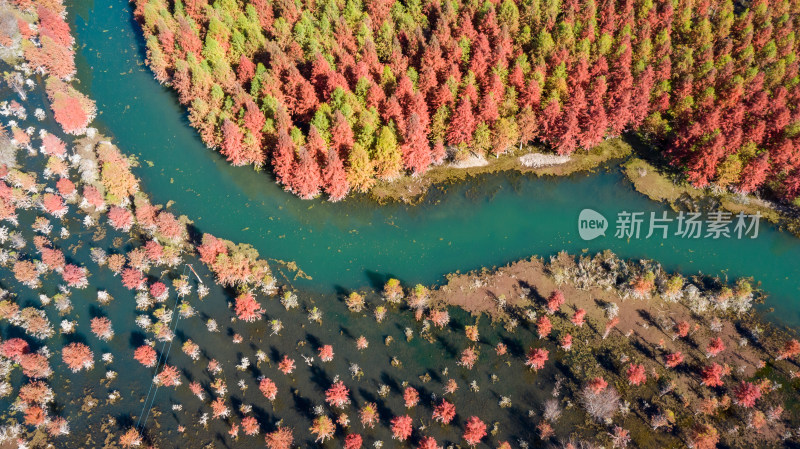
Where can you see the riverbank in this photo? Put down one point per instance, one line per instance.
(638, 315)
(659, 185)
(412, 189)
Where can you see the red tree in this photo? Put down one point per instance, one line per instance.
(247, 308)
(475, 430)
(715, 346)
(536, 358)
(636, 374)
(444, 412)
(711, 376)
(543, 326)
(746, 394)
(401, 427)
(415, 148)
(554, 301)
(146, 355)
(306, 179)
(462, 124)
(77, 356)
(338, 395)
(334, 177)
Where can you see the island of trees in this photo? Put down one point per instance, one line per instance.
(334, 96)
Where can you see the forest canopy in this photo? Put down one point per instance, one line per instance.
(336, 94)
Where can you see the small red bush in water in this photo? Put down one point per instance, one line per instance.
(444, 412)
(353, 441)
(101, 328)
(132, 278)
(77, 356)
(326, 353)
(120, 218)
(401, 427)
(268, 388)
(337, 395)
(247, 308)
(475, 431)
(169, 376)
(13, 349)
(281, 438)
(286, 366)
(35, 366)
(411, 397)
(145, 355)
(250, 425)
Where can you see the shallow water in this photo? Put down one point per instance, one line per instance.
(358, 243)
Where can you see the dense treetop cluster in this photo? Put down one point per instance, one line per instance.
(337, 94)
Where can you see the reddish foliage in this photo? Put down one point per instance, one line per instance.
(444, 412)
(746, 394)
(250, 425)
(286, 366)
(121, 219)
(74, 276)
(790, 349)
(13, 349)
(543, 326)
(35, 416)
(337, 395)
(35, 366)
(101, 328)
(132, 278)
(597, 385)
(77, 356)
(326, 353)
(169, 227)
(674, 359)
(411, 397)
(636, 374)
(145, 355)
(566, 342)
(401, 427)
(247, 308)
(268, 388)
(53, 146)
(158, 290)
(715, 346)
(53, 25)
(536, 358)
(683, 329)
(475, 430)
(281, 438)
(65, 187)
(579, 317)
(169, 376)
(554, 301)
(353, 441)
(54, 204)
(712, 375)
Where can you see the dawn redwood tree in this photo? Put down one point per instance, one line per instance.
(306, 179)
(444, 412)
(145, 355)
(636, 374)
(536, 358)
(283, 158)
(401, 427)
(554, 301)
(474, 431)
(711, 375)
(415, 148)
(334, 177)
(746, 394)
(77, 357)
(462, 124)
(247, 308)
